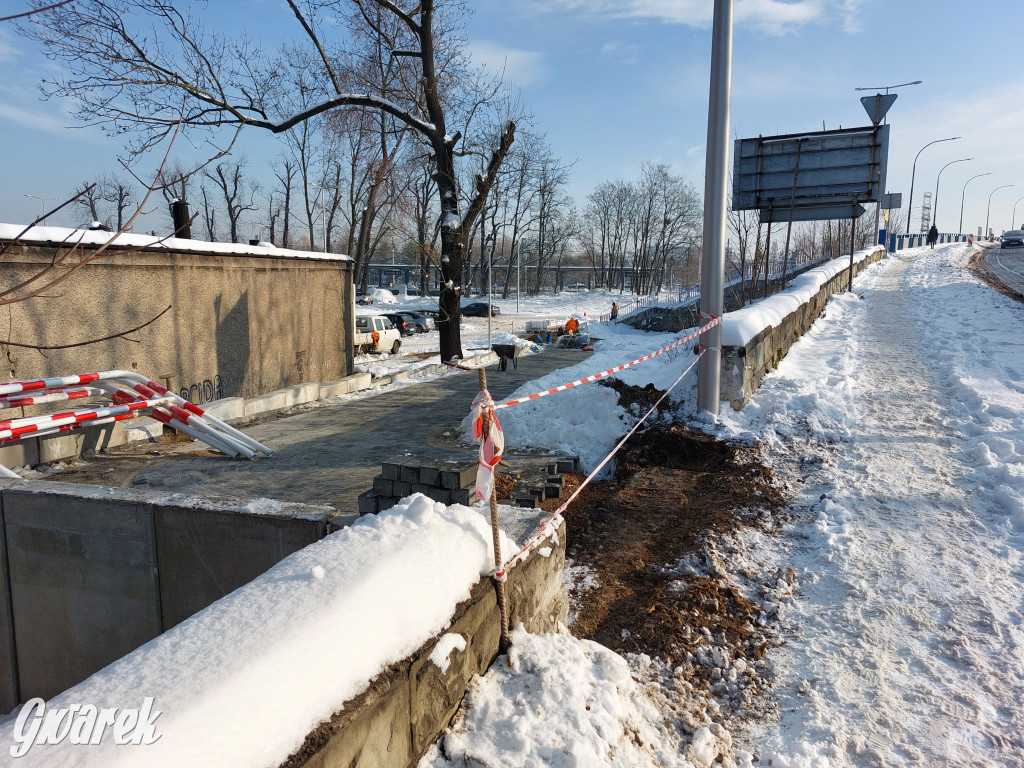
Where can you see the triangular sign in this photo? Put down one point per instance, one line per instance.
(876, 106)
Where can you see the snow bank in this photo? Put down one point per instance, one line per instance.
(587, 421)
(560, 702)
(741, 326)
(242, 682)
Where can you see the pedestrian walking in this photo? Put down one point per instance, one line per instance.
(615, 310)
(933, 236)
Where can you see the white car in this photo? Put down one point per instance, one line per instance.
(375, 333)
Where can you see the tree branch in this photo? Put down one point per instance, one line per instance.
(120, 335)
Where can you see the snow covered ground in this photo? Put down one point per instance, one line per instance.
(903, 411)
(898, 422)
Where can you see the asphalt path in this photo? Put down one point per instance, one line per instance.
(1007, 266)
(330, 454)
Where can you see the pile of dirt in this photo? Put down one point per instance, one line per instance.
(675, 493)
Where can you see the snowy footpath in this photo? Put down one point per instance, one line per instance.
(899, 419)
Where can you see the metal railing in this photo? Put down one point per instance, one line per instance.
(899, 242)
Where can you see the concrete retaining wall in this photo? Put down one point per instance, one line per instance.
(89, 573)
(743, 367)
(240, 324)
(407, 707)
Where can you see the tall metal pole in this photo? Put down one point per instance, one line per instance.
(716, 174)
(963, 196)
(913, 172)
(1013, 216)
(935, 199)
(988, 210)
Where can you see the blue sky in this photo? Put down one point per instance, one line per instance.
(617, 83)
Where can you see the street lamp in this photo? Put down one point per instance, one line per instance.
(887, 87)
(42, 205)
(989, 208)
(935, 200)
(963, 195)
(913, 172)
(1013, 218)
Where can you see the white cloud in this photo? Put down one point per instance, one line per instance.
(774, 16)
(522, 68)
(35, 120)
(8, 50)
(623, 53)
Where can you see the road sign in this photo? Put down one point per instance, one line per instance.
(892, 200)
(876, 106)
(824, 169)
(817, 213)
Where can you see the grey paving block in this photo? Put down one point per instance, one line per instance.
(456, 475)
(368, 503)
(382, 486)
(430, 473)
(390, 469)
(402, 489)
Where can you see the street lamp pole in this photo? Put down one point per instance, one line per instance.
(989, 208)
(716, 177)
(887, 87)
(42, 205)
(1013, 217)
(935, 200)
(963, 195)
(913, 173)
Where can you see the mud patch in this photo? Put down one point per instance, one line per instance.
(657, 590)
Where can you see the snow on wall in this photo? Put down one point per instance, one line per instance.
(43, 235)
(740, 327)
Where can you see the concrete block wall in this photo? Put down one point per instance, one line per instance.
(407, 707)
(89, 573)
(744, 367)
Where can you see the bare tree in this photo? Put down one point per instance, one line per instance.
(126, 59)
(285, 173)
(239, 193)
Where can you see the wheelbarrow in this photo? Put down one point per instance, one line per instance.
(506, 352)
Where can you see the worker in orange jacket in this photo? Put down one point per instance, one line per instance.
(572, 326)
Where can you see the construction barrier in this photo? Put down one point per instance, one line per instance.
(492, 444)
(130, 395)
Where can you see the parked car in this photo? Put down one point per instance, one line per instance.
(405, 324)
(423, 322)
(479, 309)
(388, 337)
(1013, 238)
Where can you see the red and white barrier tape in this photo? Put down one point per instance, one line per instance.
(550, 523)
(492, 444)
(714, 321)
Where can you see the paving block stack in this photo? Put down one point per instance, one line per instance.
(548, 487)
(450, 482)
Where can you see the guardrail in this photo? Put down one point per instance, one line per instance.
(899, 242)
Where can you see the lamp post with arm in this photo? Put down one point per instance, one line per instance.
(935, 200)
(963, 196)
(913, 173)
(988, 210)
(1013, 217)
(42, 205)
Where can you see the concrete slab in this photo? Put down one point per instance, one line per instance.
(334, 388)
(8, 668)
(306, 393)
(83, 580)
(205, 554)
(227, 409)
(272, 401)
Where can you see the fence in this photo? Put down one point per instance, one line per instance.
(899, 242)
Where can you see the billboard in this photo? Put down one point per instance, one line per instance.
(820, 175)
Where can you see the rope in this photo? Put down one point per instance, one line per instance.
(508, 403)
(556, 517)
